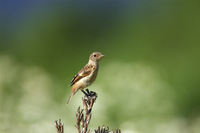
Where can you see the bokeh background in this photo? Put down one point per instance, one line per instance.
(149, 79)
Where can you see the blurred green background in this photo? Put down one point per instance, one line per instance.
(149, 79)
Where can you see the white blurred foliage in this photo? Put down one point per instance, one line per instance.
(28, 111)
(138, 92)
(142, 99)
(135, 89)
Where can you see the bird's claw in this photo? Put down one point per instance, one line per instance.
(89, 93)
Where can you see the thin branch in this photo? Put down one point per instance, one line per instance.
(83, 118)
(106, 130)
(59, 127)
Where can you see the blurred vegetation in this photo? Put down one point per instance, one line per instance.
(148, 81)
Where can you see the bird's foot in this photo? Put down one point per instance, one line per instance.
(89, 93)
(86, 94)
(89, 98)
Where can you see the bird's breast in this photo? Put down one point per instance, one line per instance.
(88, 80)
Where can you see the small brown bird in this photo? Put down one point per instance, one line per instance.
(87, 75)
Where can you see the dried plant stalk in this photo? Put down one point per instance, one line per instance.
(83, 118)
(106, 130)
(59, 127)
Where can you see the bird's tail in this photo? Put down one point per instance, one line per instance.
(70, 97)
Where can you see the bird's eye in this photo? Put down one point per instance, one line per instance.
(95, 55)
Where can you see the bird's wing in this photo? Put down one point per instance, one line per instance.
(82, 73)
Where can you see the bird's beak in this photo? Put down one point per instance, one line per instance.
(102, 56)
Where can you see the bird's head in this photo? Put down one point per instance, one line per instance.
(96, 56)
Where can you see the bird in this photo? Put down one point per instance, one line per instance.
(87, 75)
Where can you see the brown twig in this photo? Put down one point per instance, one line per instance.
(102, 130)
(106, 130)
(59, 126)
(83, 118)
